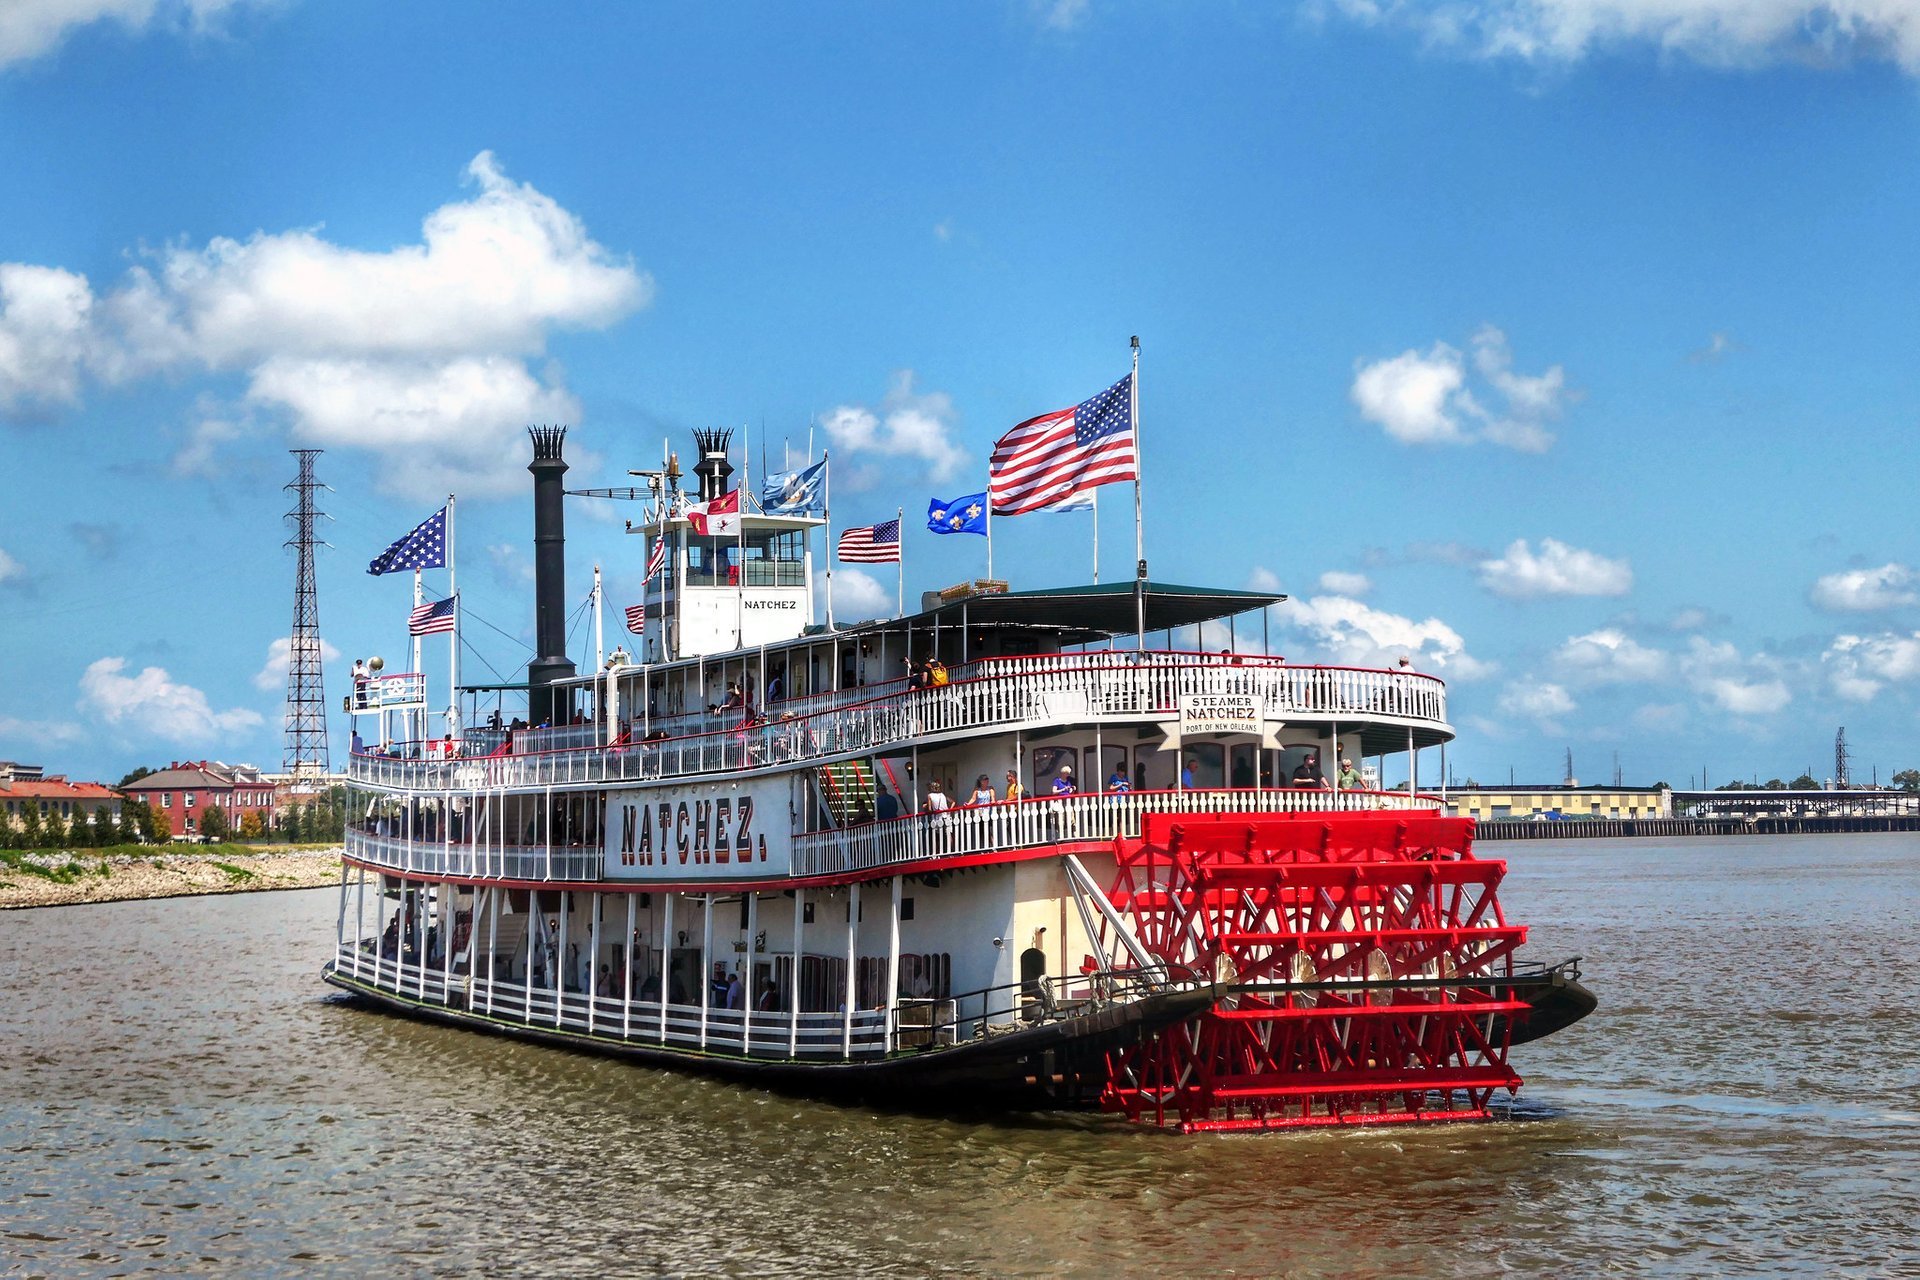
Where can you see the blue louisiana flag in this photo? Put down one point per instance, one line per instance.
(424, 548)
(962, 515)
(794, 493)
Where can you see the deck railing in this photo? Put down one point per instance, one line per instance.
(1002, 693)
(974, 829)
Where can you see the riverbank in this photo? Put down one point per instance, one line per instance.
(37, 878)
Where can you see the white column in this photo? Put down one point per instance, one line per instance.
(558, 964)
(626, 979)
(449, 904)
(853, 931)
(1413, 767)
(793, 1014)
(893, 964)
(493, 942)
(706, 967)
(667, 939)
(340, 924)
(360, 920)
(593, 964)
(746, 985)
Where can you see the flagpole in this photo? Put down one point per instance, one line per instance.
(740, 545)
(900, 566)
(599, 638)
(826, 502)
(989, 529)
(419, 731)
(453, 636)
(1096, 530)
(1139, 544)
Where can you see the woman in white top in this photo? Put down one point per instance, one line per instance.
(982, 791)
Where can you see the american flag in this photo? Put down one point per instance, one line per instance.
(870, 544)
(1056, 455)
(424, 548)
(657, 556)
(637, 618)
(431, 619)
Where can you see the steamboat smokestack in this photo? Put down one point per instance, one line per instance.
(549, 577)
(713, 468)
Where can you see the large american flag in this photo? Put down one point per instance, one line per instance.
(424, 548)
(1056, 455)
(870, 544)
(637, 618)
(431, 619)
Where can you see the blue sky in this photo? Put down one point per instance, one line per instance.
(1564, 346)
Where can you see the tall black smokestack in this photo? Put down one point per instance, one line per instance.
(713, 468)
(549, 577)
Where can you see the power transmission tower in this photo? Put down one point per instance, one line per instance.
(1841, 760)
(306, 752)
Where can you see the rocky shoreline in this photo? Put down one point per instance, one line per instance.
(92, 878)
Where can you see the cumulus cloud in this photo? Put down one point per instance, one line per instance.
(1537, 700)
(1861, 666)
(858, 595)
(906, 424)
(1555, 570)
(1061, 15)
(417, 353)
(29, 28)
(11, 570)
(1719, 33)
(48, 733)
(151, 704)
(1610, 656)
(1731, 681)
(1866, 590)
(273, 676)
(46, 316)
(1341, 583)
(1355, 634)
(1439, 397)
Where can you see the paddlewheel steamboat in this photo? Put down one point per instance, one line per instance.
(997, 853)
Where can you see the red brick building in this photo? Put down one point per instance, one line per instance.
(181, 794)
(60, 803)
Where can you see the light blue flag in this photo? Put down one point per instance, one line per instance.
(962, 515)
(794, 493)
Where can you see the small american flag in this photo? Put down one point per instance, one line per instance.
(870, 544)
(637, 618)
(431, 619)
(1056, 455)
(657, 557)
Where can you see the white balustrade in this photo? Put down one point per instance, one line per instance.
(1001, 693)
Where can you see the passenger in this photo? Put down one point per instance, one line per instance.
(1014, 790)
(937, 801)
(1348, 776)
(916, 675)
(1117, 781)
(777, 685)
(1063, 781)
(1243, 773)
(1307, 773)
(982, 791)
(1186, 774)
(937, 674)
(736, 992)
(604, 987)
(886, 804)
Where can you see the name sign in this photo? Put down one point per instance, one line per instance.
(706, 831)
(1219, 713)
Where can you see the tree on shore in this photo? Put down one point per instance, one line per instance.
(1805, 782)
(213, 822)
(293, 823)
(252, 825)
(1907, 779)
(53, 831)
(135, 776)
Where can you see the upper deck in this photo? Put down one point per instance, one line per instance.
(1390, 710)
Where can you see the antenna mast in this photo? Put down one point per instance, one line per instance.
(306, 750)
(1841, 760)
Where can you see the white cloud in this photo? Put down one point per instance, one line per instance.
(1860, 666)
(150, 703)
(907, 424)
(1341, 583)
(1537, 700)
(1557, 570)
(1718, 347)
(858, 595)
(45, 318)
(48, 733)
(1866, 590)
(1720, 33)
(1061, 15)
(1356, 634)
(1610, 656)
(273, 676)
(1433, 398)
(418, 354)
(1745, 686)
(10, 568)
(29, 28)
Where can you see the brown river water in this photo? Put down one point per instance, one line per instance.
(179, 1094)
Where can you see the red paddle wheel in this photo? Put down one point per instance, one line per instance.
(1364, 955)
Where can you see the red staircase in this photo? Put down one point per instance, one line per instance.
(1364, 954)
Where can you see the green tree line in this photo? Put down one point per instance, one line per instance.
(319, 820)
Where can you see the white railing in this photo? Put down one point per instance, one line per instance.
(1055, 689)
(767, 1033)
(975, 829)
(1059, 819)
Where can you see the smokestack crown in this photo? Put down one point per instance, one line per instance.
(713, 468)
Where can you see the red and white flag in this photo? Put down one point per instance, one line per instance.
(719, 518)
(657, 556)
(637, 618)
(1046, 460)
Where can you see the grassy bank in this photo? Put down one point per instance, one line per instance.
(52, 877)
